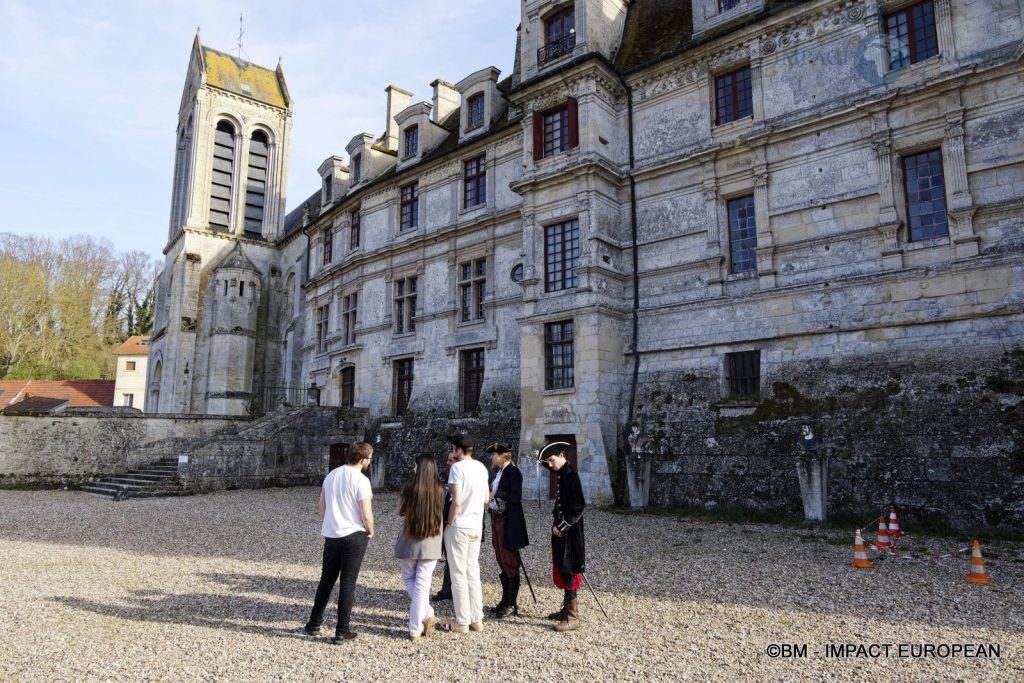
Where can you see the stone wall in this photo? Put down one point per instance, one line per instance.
(938, 434)
(48, 450)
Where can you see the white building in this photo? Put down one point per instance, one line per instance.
(130, 378)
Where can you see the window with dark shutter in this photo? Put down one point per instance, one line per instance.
(256, 183)
(222, 176)
(743, 374)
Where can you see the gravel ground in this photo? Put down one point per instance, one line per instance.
(217, 587)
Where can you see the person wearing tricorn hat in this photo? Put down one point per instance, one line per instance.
(508, 526)
(568, 545)
(467, 480)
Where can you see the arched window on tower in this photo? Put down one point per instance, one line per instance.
(223, 174)
(256, 183)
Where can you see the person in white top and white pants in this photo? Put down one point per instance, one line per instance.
(467, 481)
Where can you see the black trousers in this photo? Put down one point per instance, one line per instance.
(342, 558)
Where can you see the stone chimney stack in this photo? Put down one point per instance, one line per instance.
(446, 99)
(398, 100)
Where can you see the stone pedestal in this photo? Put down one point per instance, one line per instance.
(638, 478)
(812, 472)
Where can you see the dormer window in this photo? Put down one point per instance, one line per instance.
(475, 111)
(355, 171)
(412, 141)
(328, 190)
(559, 35)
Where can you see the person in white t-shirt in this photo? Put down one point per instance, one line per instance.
(345, 507)
(467, 481)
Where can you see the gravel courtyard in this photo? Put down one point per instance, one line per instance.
(216, 587)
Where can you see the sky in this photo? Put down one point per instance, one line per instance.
(90, 90)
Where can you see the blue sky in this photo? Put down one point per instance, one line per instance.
(90, 92)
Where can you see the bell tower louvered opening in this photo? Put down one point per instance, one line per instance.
(256, 183)
(222, 177)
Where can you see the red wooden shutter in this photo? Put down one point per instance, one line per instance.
(538, 136)
(574, 127)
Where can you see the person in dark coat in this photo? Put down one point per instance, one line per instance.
(446, 582)
(568, 544)
(508, 527)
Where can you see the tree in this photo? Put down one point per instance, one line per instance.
(69, 304)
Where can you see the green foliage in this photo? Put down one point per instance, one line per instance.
(68, 304)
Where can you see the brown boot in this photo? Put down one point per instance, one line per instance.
(560, 614)
(572, 617)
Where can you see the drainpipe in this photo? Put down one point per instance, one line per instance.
(634, 381)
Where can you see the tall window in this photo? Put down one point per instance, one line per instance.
(913, 34)
(403, 384)
(348, 387)
(349, 308)
(353, 235)
(561, 251)
(475, 111)
(223, 175)
(256, 183)
(322, 316)
(743, 374)
(559, 35)
(475, 177)
(328, 245)
(412, 140)
(471, 378)
(409, 216)
(405, 305)
(129, 400)
(558, 355)
(926, 195)
(357, 168)
(734, 98)
(472, 289)
(327, 187)
(742, 235)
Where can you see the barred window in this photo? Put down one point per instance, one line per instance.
(410, 209)
(475, 179)
(561, 251)
(742, 235)
(926, 195)
(328, 246)
(350, 306)
(348, 387)
(323, 314)
(472, 289)
(743, 374)
(403, 377)
(471, 378)
(558, 355)
(353, 235)
(405, 305)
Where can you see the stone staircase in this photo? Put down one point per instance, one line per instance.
(159, 478)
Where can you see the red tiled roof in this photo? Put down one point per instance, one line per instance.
(134, 346)
(80, 393)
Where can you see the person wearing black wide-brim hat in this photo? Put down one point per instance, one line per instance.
(568, 544)
(508, 526)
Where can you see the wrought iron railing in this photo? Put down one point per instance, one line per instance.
(556, 49)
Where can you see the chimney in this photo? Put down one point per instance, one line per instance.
(398, 100)
(446, 99)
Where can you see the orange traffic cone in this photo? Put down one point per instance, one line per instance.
(882, 542)
(894, 524)
(860, 558)
(977, 574)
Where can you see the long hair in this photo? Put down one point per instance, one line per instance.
(421, 500)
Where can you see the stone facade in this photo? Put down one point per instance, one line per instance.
(711, 220)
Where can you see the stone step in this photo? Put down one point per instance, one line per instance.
(99, 488)
(149, 476)
(155, 471)
(129, 482)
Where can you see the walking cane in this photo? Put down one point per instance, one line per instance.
(594, 593)
(528, 583)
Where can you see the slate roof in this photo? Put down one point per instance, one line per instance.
(36, 404)
(80, 393)
(137, 345)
